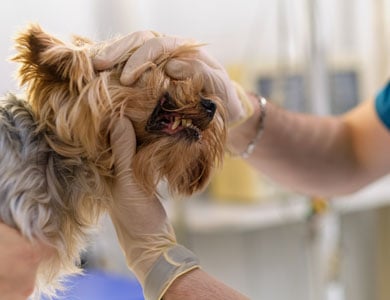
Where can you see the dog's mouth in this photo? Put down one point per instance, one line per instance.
(188, 121)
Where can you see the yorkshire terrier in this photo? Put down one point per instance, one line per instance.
(180, 131)
(47, 197)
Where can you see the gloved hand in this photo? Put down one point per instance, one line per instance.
(144, 232)
(194, 63)
(107, 54)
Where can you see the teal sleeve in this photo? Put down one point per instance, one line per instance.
(382, 105)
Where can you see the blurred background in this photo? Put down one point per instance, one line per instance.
(318, 56)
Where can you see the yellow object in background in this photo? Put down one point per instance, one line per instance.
(236, 182)
(236, 72)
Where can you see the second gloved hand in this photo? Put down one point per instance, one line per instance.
(144, 231)
(106, 54)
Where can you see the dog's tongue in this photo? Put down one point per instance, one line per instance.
(178, 124)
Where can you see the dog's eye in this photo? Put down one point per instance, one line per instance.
(167, 103)
(168, 106)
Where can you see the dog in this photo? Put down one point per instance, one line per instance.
(180, 131)
(47, 197)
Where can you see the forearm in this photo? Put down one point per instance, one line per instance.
(197, 284)
(310, 154)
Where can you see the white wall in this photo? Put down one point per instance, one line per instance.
(62, 18)
(259, 34)
(226, 25)
(267, 36)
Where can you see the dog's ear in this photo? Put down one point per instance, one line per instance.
(46, 59)
(80, 41)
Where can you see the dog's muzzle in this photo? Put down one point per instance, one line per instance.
(187, 122)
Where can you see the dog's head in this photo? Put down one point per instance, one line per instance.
(180, 131)
(180, 128)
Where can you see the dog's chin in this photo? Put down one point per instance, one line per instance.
(180, 144)
(185, 166)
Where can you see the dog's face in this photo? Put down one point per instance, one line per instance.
(180, 129)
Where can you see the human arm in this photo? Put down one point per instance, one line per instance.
(317, 155)
(198, 284)
(19, 262)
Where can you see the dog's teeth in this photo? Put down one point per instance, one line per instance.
(176, 123)
(186, 122)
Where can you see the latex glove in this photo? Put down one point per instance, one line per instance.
(19, 262)
(216, 80)
(144, 231)
(106, 54)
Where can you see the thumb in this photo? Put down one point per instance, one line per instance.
(181, 69)
(123, 144)
(133, 74)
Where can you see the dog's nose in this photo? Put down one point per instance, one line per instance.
(209, 106)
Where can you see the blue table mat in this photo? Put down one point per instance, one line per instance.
(100, 285)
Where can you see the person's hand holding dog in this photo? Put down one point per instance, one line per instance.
(144, 231)
(152, 48)
(107, 54)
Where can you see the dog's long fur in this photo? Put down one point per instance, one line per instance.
(47, 197)
(78, 105)
(56, 165)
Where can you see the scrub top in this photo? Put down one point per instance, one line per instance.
(382, 105)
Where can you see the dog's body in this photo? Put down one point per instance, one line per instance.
(180, 134)
(47, 197)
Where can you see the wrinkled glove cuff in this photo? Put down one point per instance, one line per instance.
(246, 105)
(174, 262)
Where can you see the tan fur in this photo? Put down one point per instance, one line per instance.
(48, 197)
(76, 107)
(79, 105)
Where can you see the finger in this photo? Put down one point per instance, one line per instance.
(187, 67)
(128, 78)
(201, 55)
(181, 69)
(184, 68)
(209, 60)
(148, 54)
(123, 144)
(111, 53)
